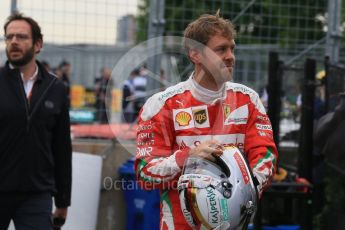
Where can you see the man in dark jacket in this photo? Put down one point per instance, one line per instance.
(35, 143)
(329, 138)
(330, 131)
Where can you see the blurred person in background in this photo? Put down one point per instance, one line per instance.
(35, 142)
(140, 84)
(163, 81)
(58, 73)
(46, 65)
(127, 98)
(143, 70)
(65, 70)
(199, 116)
(103, 97)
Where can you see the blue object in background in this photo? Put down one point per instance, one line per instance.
(289, 227)
(142, 206)
(278, 227)
(82, 116)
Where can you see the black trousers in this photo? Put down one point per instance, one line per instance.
(28, 211)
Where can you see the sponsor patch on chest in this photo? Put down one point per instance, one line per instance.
(192, 117)
(200, 115)
(183, 119)
(225, 140)
(238, 116)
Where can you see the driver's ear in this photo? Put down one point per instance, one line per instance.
(195, 56)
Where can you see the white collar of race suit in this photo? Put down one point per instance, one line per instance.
(205, 95)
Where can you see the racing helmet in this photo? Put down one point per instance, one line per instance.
(219, 195)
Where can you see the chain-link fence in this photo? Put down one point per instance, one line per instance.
(89, 36)
(295, 29)
(86, 22)
(335, 84)
(93, 34)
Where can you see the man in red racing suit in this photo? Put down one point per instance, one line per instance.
(236, 119)
(184, 116)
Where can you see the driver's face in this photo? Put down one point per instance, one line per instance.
(218, 58)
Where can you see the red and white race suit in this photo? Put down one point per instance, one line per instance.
(184, 115)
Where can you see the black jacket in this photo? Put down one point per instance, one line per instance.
(330, 133)
(35, 142)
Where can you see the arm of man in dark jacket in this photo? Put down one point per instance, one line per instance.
(62, 151)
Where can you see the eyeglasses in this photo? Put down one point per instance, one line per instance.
(19, 37)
